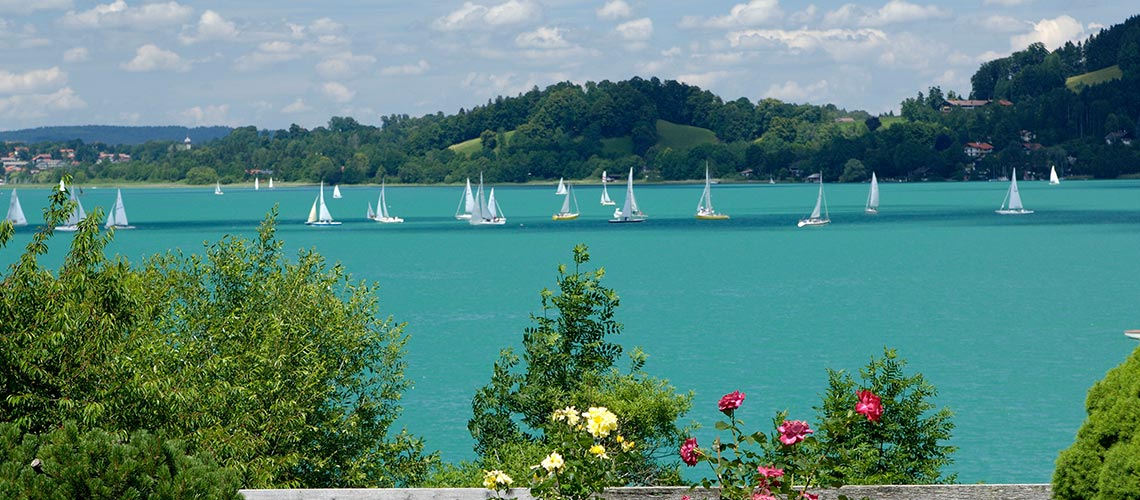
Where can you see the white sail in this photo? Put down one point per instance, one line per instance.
(569, 205)
(77, 214)
(492, 206)
(561, 187)
(382, 214)
(370, 214)
(565, 203)
(256, 184)
(1011, 205)
(466, 203)
(819, 215)
(218, 188)
(270, 183)
(117, 217)
(336, 191)
(605, 194)
(319, 215)
(1053, 179)
(486, 211)
(873, 195)
(629, 211)
(15, 212)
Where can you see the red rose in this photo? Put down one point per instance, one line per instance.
(731, 401)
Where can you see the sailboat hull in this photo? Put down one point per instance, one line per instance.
(564, 216)
(813, 222)
(388, 220)
(872, 211)
(624, 220)
(712, 216)
(1013, 212)
(323, 223)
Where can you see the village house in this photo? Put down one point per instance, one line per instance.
(977, 150)
(1122, 136)
(952, 104)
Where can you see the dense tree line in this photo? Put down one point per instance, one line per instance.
(577, 131)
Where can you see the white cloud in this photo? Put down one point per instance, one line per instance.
(31, 106)
(419, 68)
(297, 106)
(338, 92)
(1002, 24)
(325, 26)
(510, 83)
(1051, 32)
(893, 12)
(344, 65)
(473, 15)
(33, 82)
(211, 26)
(150, 57)
(76, 54)
(267, 54)
(671, 52)
(703, 80)
(614, 9)
(1007, 3)
(753, 13)
(839, 43)
(636, 30)
(118, 14)
(542, 38)
(24, 7)
(805, 16)
(210, 115)
(794, 92)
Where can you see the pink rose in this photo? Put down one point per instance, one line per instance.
(771, 472)
(869, 405)
(731, 401)
(763, 495)
(689, 453)
(809, 496)
(793, 431)
(684, 497)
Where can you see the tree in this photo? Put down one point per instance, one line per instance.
(853, 170)
(282, 370)
(905, 446)
(1104, 460)
(873, 123)
(569, 362)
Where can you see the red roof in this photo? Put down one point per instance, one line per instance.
(979, 145)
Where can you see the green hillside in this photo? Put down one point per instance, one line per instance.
(1079, 82)
(669, 135)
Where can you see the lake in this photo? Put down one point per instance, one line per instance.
(1012, 318)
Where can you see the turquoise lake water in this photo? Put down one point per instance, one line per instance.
(1012, 318)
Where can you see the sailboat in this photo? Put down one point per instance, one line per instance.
(270, 183)
(371, 214)
(815, 219)
(1053, 179)
(218, 188)
(704, 207)
(561, 187)
(336, 191)
(382, 214)
(256, 184)
(117, 217)
(486, 212)
(319, 215)
(605, 194)
(873, 196)
(1011, 205)
(15, 212)
(566, 213)
(466, 203)
(629, 211)
(77, 214)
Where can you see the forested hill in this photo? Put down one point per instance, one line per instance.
(113, 135)
(1076, 108)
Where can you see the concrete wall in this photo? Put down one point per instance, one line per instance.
(927, 492)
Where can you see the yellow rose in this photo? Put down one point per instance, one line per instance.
(552, 462)
(568, 414)
(627, 445)
(492, 479)
(598, 451)
(600, 421)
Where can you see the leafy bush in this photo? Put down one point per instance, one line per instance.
(570, 363)
(98, 465)
(905, 447)
(283, 370)
(1104, 461)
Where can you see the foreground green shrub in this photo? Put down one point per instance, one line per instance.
(1104, 461)
(905, 447)
(568, 361)
(97, 465)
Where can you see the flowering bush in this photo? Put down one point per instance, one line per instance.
(761, 467)
(587, 452)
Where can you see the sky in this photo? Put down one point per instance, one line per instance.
(272, 64)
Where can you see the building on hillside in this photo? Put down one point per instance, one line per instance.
(187, 144)
(952, 104)
(977, 150)
(1031, 147)
(1120, 136)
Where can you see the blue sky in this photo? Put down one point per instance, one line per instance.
(272, 64)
